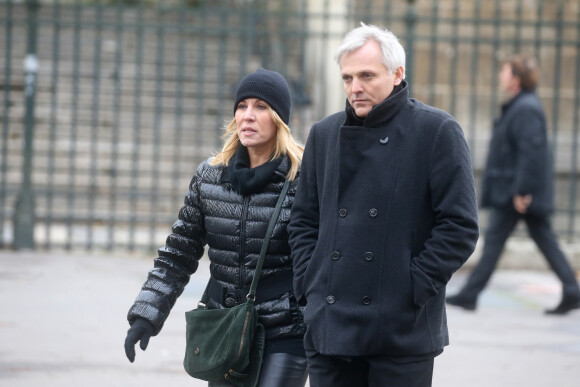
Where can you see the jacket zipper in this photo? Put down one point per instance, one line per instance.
(243, 334)
(242, 343)
(243, 240)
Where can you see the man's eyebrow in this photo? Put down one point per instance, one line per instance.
(358, 73)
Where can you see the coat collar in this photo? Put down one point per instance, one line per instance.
(381, 113)
(512, 101)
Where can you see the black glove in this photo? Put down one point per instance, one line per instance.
(140, 330)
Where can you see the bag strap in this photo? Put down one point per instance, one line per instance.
(252, 294)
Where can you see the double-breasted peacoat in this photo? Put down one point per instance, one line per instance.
(384, 214)
(519, 162)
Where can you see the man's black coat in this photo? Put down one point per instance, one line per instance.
(518, 162)
(384, 214)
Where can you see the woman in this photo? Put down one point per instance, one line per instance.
(229, 204)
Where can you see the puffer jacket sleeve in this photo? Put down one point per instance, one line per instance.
(177, 260)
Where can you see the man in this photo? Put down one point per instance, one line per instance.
(384, 214)
(517, 185)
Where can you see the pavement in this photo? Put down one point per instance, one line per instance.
(63, 323)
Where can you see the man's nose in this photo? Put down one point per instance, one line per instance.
(356, 86)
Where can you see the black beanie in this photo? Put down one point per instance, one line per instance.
(270, 87)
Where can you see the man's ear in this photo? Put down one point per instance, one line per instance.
(399, 75)
(518, 82)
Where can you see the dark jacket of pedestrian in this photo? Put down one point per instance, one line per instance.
(385, 213)
(517, 185)
(518, 162)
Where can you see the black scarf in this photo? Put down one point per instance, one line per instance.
(354, 120)
(246, 180)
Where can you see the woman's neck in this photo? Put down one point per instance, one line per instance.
(258, 157)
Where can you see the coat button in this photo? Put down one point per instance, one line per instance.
(330, 300)
(366, 300)
(369, 256)
(342, 212)
(373, 212)
(335, 255)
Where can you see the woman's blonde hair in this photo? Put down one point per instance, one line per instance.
(285, 145)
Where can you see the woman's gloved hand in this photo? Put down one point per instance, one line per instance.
(141, 330)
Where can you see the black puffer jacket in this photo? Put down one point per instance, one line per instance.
(233, 226)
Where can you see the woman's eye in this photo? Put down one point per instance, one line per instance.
(262, 107)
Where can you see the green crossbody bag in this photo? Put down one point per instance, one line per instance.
(229, 343)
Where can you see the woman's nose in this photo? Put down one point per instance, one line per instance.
(249, 113)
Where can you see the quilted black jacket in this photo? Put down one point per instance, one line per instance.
(233, 226)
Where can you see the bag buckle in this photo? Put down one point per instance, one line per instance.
(230, 301)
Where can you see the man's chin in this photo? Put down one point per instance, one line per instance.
(361, 113)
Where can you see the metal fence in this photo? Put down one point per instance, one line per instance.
(110, 105)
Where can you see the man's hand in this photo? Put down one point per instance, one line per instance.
(522, 202)
(141, 330)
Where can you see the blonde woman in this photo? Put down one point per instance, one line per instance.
(229, 204)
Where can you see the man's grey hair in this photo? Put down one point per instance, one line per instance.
(393, 51)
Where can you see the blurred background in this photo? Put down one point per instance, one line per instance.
(109, 106)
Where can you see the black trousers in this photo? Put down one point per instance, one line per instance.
(501, 224)
(278, 370)
(368, 371)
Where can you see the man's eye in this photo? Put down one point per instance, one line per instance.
(346, 78)
(368, 75)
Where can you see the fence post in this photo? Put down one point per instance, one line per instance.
(410, 19)
(24, 213)
(325, 32)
